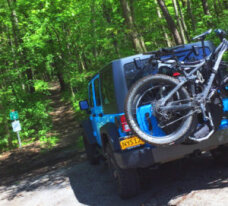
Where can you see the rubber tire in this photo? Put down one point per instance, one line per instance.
(91, 152)
(181, 134)
(220, 154)
(126, 180)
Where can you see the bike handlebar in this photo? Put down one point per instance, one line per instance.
(220, 33)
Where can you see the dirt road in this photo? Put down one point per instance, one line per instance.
(192, 181)
(61, 176)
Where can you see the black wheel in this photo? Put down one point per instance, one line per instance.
(220, 154)
(91, 151)
(148, 121)
(127, 180)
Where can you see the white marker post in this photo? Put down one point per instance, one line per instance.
(17, 128)
(16, 125)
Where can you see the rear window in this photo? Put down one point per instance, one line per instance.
(132, 73)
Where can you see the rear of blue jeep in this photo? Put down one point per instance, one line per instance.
(107, 130)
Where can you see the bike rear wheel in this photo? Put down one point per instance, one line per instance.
(143, 113)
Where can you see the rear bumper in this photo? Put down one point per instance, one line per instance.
(145, 156)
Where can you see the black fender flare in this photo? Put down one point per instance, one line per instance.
(88, 131)
(109, 133)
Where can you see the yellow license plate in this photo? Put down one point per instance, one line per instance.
(131, 142)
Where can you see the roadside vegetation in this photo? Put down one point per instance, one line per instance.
(69, 41)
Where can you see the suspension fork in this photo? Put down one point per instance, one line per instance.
(208, 87)
(223, 49)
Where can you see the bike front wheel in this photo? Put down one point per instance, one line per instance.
(151, 123)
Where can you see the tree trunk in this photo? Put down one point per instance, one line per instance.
(225, 3)
(93, 33)
(61, 81)
(30, 77)
(220, 5)
(189, 9)
(6, 127)
(83, 66)
(184, 41)
(184, 3)
(133, 17)
(216, 9)
(17, 40)
(183, 21)
(106, 13)
(168, 42)
(136, 38)
(205, 7)
(171, 24)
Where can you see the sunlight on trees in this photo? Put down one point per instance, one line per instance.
(69, 41)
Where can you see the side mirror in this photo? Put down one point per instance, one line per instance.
(84, 105)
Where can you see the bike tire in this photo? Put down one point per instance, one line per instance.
(186, 127)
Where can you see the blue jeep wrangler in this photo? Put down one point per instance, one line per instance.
(106, 130)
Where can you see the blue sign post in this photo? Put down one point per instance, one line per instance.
(14, 115)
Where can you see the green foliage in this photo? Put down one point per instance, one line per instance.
(69, 41)
(41, 86)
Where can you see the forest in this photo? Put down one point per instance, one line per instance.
(68, 41)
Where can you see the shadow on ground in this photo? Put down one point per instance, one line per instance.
(28, 162)
(92, 185)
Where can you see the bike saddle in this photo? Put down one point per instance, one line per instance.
(164, 51)
(202, 36)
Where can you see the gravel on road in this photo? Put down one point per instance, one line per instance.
(190, 181)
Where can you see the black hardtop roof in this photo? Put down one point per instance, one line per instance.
(128, 59)
(123, 60)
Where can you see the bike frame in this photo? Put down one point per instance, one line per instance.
(202, 97)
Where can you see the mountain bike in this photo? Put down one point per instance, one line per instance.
(163, 109)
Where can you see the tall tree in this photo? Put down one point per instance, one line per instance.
(183, 38)
(190, 13)
(170, 22)
(183, 20)
(216, 9)
(225, 3)
(93, 33)
(136, 38)
(205, 7)
(18, 40)
(107, 10)
(168, 41)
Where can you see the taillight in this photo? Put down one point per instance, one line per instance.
(124, 124)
